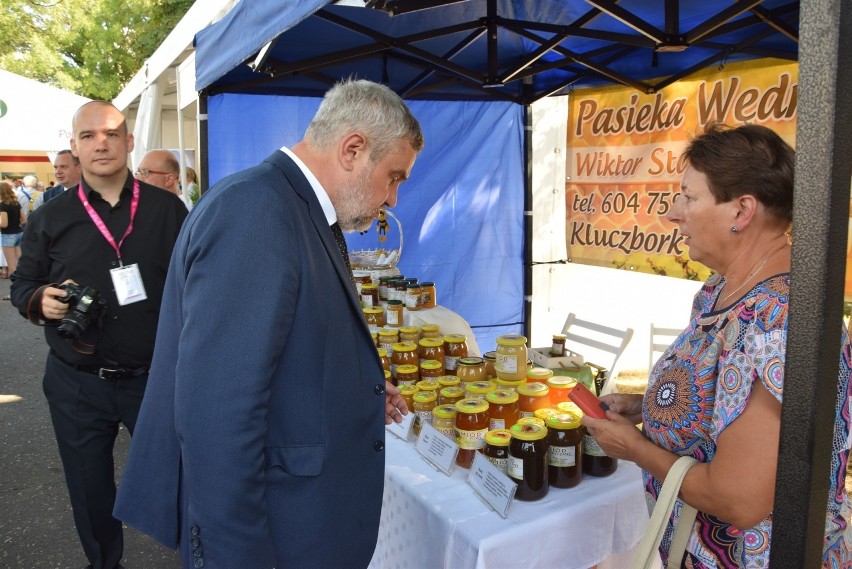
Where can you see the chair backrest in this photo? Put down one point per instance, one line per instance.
(661, 338)
(612, 341)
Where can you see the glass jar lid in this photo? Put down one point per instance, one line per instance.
(404, 347)
(425, 396)
(502, 396)
(534, 389)
(471, 406)
(498, 437)
(512, 340)
(561, 420)
(455, 338)
(528, 431)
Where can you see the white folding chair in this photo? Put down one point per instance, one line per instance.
(609, 343)
(661, 338)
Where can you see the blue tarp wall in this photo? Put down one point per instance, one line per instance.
(461, 211)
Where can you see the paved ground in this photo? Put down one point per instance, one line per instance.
(36, 527)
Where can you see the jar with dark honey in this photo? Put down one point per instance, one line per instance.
(528, 461)
(432, 349)
(369, 295)
(424, 402)
(360, 278)
(455, 348)
(450, 395)
(407, 374)
(470, 369)
(471, 427)
(431, 369)
(497, 448)
(595, 460)
(444, 420)
(565, 450)
(404, 353)
(503, 411)
(533, 396)
(557, 347)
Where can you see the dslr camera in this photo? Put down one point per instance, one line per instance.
(85, 305)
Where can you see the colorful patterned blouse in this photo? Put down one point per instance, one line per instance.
(703, 382)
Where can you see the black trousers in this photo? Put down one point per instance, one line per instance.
(86, 412)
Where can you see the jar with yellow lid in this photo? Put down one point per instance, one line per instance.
(428, 295)
(560, 386)
(449, 380)
(470, 369)
(450, 394)
(544, 413)
(503, 411)
(456, 348)
(388, 376)
(424, 402)
(404, 353)
(569, 407)
(432, 349)
(361, 278)
(369, 295)
(530, 421)
(471, 427)
(407, 374)
(444, 419)
(497, 448)
(387, 338)
(509, 384)
(395, 315)
(565, 450)
(429, 385)
(490, 361)
(407, 393)
(528, 461)
(430, 331)
(432, 369)
(375, 336)
(383, 356)
(533, 396)
(409, 334)
(375, 316)
(511, 362)
(557, 346)
(479, 389)
(539, 374)
(412, 296)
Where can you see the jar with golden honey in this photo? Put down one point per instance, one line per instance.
(432, 369)
(456, 348)
(424, 402)
(511, 362)
(404, 353)
(539, 374)
(387, 338)
(490, 360)
(569, 407)
(470, 369)
(430, 384)
(451, 394)
(383, 355)
(431, 331)
(471, 427)
(533, 396)
(544, 413)
(557, 347)
(388, 377)
(369, 295)
(560, 386)
(407, 393)
(444, 420)
(479, 389)
(503, 411)
(528, 461)
(395, 317)
(565, 450)
(432, 349)
(375, 337)
(412, 296)
(497, 448)
(428, 295)
(375, 316)
(407, 374)
(409, 334)
(449, 381)
(530, 421)
(595, 460)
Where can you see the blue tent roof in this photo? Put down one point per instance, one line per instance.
(517, 50)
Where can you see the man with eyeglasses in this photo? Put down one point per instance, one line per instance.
(160, 168)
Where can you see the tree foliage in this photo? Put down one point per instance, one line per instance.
(89, 47)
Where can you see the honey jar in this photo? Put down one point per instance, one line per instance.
(511, 362)
(595, 460)
(404, 353)
(557, 347)
(490, 359)
(375, 317)
(528, 461)
(565, 450)
(479, 389)
(395, 317)
(409, 334)
(424, 402)
(430, 331)
(569, 407)
(503, 411)
(432, 349)
(383, 355)
(360, 278)
(471, 427)
(533, 396)
(412, 296)
(510, 384)
(407, 393)
(429, 385)
(387, 338)
(530, 421)
(428, 296)
(449, 380)
(451, 394)
(432, 369)
(369, 295)
(470, 369)
(544, 413)
(539, 374)
(456, 347)
(444, 420)
(407, 374)
(560, 386)
(497, 448)
(383, 287)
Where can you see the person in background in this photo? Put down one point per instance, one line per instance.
(160, 168)
(12, 219)
(190, 186)
(28, 194)
(716, 393)
(261, 439)
(66, 167)
(112, 237)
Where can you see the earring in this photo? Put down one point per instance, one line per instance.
(735, 229)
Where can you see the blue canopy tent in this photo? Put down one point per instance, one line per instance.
(465, 211)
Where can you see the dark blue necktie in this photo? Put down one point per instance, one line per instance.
(341, 244)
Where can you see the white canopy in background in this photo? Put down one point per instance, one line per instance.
(35, 116)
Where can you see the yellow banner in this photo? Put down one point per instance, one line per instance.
(624, 159)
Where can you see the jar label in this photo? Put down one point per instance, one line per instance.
(367, 300)
(495, 424)
(527, 414)
(449, 432)
(401, 382)
(501, 463)
(423, 417)
(506, 364)
(393, 318)
(471, 440)
(515, 468)
(393, 370)
(591, 446)
(388, 346)
(451, 363)
(412, 300)
(557, 349)
(562, 456)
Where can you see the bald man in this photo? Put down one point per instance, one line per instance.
(160, 168)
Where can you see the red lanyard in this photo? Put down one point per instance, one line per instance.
(99, 223)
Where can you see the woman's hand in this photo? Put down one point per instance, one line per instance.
(617, 434)
(627, 404)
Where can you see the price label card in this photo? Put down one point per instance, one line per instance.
(490, 484)
(437, 449)
(401, 430)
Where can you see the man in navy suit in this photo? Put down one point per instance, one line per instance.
(68, 172)
(260, 442)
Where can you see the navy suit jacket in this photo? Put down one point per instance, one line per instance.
(260, 441)
(52, 192)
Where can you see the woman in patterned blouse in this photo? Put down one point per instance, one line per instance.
(716, 393)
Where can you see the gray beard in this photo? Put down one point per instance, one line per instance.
(350, 211)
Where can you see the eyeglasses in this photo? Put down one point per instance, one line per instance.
(145, 172)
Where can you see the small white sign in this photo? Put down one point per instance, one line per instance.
(437, 448)
(492, 486)
(402, 430)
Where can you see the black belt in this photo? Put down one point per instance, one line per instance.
(113, 373)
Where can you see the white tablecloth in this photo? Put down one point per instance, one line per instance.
(430, 521)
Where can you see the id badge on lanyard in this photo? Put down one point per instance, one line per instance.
(126, 279)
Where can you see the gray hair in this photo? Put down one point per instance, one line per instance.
(30, 181)
(366, 107)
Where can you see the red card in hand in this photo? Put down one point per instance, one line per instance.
(587, 402)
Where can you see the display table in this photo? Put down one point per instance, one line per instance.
(430, 521)
(450, 323)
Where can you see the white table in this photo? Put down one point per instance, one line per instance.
(430, 521)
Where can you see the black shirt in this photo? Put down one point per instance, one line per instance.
(61, 242)
(13, 212)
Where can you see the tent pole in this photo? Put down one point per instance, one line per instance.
(203, 166)
(528, 218)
